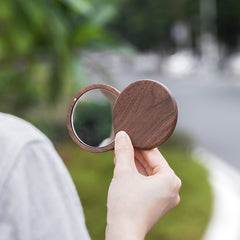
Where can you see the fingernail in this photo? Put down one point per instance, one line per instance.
(121, 137)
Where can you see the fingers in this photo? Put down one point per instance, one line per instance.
(141, 169)
(124, 155)
(155, 160)
(140, 158)
(151, 161)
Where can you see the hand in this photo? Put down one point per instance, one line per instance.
(142, 190)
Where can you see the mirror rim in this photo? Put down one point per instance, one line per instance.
(70, 112)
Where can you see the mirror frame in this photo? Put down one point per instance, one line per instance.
(69, 118)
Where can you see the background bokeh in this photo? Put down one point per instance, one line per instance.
(41, 42)
(50, 49)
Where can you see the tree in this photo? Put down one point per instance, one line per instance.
(228, 23)
(146, 24)
(38, 40)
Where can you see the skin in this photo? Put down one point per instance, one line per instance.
(142, 190)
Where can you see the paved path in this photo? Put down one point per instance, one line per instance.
(209, 107)
(224, 223)
(211, 113)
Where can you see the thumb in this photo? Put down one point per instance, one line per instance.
(124, 155)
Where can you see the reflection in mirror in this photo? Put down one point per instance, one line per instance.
(92, 117)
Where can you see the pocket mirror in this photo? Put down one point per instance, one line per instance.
(146, 110)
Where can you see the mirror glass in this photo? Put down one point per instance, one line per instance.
(92, 117)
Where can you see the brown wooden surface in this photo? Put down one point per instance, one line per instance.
(69, 116)
(147, 111)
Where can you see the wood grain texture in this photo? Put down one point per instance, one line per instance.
(69, 118)
(147, 111)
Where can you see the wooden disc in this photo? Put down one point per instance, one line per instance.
(147, 111)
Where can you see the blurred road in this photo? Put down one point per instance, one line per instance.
(210, 112)
(209, 106)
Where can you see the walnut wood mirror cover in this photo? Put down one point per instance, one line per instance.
(146, 110)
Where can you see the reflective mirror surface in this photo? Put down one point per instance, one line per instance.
(92, 117)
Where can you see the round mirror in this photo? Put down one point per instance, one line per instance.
(91, 118)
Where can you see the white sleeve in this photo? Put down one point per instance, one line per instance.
(38, 199)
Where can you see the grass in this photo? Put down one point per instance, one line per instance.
(92, 174)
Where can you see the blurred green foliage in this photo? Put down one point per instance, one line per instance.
(228, 23)
(146, 24)
(38, 40)
(180, 141)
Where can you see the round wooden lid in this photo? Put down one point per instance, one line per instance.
(147, 111)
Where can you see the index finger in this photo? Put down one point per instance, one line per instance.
(155, 159)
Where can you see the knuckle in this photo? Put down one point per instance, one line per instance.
(176, 201)
(178, 184)
(175, 183)
(156, 170)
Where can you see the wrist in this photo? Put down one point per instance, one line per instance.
(118, 231)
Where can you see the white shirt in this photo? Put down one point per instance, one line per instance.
(38, 199)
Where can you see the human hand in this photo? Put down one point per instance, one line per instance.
(142, 190)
